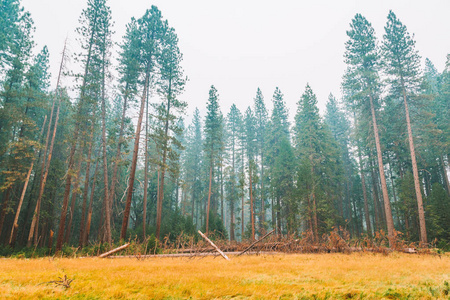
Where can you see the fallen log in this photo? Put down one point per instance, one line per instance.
(254, 243)
(106, 254)
(192, 255)
(212, 244)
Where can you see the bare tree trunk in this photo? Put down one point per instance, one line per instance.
(316, 225)
(221, 192)
(209, 198)
(75, 192)
(62, 221)
(263, 210)
(423, 228)
(105, 162)
(86, 187)
(252, 216)
(387, 204)
(233, 166)
(114, 180)
(232, 238)
(278, 216)
(12, 236)
(89, 216)
(242, 213)
(144, 213)
(273, 210)
(366, 202)
(126, 214)
(45, 167)
(163, 166)
(396, 207)
(193, 204)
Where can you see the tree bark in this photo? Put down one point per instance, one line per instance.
(263, 210)
(12, 236)
(46, 163)
(62, 221)
(89, 215)
(72, 206)
(251, 204)
(86, 187)
(144, 213)
(387, 204)
(209, 198)
(126, 214)
(114, 180)
(105, 162)
(163, 166)
(423, 228)
(366, 202)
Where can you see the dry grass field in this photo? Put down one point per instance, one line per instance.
(296, 276)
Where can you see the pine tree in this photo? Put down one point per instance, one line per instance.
(362, 59)
(18, 131)
(212, 144)
(234, 123)
(129, 70)
(151, 27)
(250, 145)
(402, 63)
(193, 163)
(280, 159)
(310, 148)
(261, 119)
(95, 22)
(170, 85)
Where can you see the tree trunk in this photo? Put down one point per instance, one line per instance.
(62, 221)
(209, 198)
(423, 229)
(114, 180)
(232, 238)
(316, 225)
(144, 213)
(242, 213)
(163, 166)
(387, 204)
(252, 216)
(263, 210)
(278, 217)
(221, 191)
(46, 163)
(86, 187)
(12, 236)
(366, 202)
(105, 162)
(72, 206)
(126, 214)
(89, 216)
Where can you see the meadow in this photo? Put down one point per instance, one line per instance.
(281, 276)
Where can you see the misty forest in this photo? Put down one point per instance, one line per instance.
(107, 153)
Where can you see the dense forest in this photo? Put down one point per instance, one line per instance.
(112, 157)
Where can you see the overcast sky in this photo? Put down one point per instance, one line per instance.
(239, 46)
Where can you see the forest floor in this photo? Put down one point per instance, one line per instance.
(280, 276)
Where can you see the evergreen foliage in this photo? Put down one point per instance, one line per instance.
(384, 143)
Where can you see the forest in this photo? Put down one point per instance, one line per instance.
(113, 158)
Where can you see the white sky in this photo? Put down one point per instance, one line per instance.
(241, 45)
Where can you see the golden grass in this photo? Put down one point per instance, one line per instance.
(299, 276)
